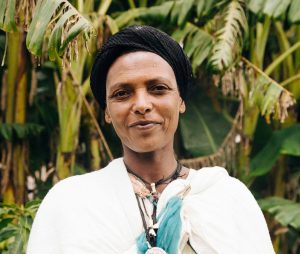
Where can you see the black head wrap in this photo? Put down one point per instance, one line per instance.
(139, 38)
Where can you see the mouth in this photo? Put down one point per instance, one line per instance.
(143, 125)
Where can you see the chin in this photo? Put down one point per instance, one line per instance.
(147, 147)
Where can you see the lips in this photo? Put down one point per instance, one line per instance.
(143, 124)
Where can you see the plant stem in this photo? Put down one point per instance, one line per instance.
(143, 3)
(97, 126)
(261, 40)
(283, 56)
(83, 89)
(103, 7)
(290, 80)
(285, 45)
(131, 4)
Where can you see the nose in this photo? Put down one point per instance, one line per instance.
(142, 103)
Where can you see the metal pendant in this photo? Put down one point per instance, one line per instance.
(155, 250)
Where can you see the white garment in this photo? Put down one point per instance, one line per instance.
(97, 213)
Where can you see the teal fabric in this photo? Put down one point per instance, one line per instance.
(142, 245)
(168, 234)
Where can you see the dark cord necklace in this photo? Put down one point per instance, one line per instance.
(152, 230)
(174, 175)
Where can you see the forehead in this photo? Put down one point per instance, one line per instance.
(139, 65)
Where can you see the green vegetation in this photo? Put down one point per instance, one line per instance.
(243, 112)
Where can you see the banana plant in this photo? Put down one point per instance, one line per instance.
(58, 30)
(68, 33)
(14, 153)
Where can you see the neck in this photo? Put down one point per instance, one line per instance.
(151, 166)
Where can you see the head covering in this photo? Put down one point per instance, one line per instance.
(139, 38)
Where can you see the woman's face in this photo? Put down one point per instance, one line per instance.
(143, 101)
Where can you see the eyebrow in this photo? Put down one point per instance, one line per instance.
(148, 82)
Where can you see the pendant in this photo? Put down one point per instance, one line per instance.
(155, 250)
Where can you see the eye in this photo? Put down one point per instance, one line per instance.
(159, 88)
(121, 94)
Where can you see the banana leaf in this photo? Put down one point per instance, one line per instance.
(62, 21)
(229, 39)
(19, 131)
(285, 141)
(7, 15)
(285, 211)
(202, 128)
(276, 9)
(271, 98)
(294, 13)
(196, 43)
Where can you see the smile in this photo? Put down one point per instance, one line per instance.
(144, 125)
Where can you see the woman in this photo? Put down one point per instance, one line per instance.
(146, 202)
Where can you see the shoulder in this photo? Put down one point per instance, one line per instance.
(206, 178)
(216, 183)
(81, 185)
(224, 214)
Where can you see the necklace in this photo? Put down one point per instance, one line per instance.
(174, 175)
(141, 191)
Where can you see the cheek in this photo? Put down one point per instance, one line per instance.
(172, 115)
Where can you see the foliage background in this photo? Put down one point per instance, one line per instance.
(243, 110)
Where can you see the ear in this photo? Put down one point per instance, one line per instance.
(182, 107)
(107, 116)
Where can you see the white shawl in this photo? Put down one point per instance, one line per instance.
(97, 213)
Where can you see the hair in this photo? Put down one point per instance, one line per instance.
(140, 38)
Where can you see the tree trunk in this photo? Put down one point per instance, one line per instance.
(14, 153)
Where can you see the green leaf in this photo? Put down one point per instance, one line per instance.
(256, 6)
(126, 17)
(210, 7)
(40, 21)
(181, 33)
(175, 12)
(200, 7)
(112, 24)
(196, 43)
(7, 232)
(270, 7)
(281, 9)
(285, 141)
(65, 23)
(276, 8)
(229, 39)
(4, 222)
(77, 28)
(286, 212)
(6, 131)
(271, 98)
(55, 37)
(201, 52)
(16, 222)
(7, 15)
(32, 205)
(20, 131)
(186, 7)
(152, 14)
(16, 247)
(294, 13)
(202, 128)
